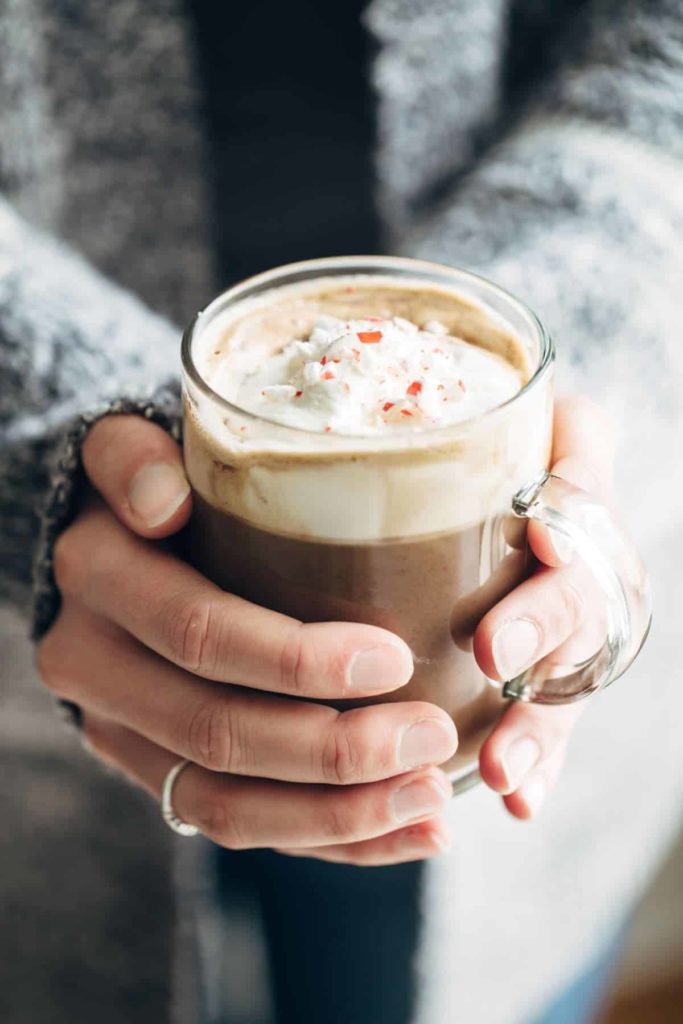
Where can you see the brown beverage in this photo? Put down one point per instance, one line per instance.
(405, 525)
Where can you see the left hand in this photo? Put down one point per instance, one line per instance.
(556, 608)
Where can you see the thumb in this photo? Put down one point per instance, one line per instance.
(584, 445)
(138, 469)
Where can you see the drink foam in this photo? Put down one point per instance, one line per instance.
(341, 461)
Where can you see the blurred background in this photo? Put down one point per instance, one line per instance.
(77, 943)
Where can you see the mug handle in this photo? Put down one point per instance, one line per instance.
(613, 559)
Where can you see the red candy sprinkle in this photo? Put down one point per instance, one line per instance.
(298, 394)
(328, 430)
(323, 360)
(387, 406)
(406, 412)
(415, 388)
(328, 375)
(369, 337)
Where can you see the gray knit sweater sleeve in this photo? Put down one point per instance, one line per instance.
(579, 210)
(71, 345)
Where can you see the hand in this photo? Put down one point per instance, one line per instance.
(557, 611)
(164, 666)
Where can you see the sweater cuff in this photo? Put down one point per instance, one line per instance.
(61, 507)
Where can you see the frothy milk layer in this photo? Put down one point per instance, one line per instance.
(361, 469)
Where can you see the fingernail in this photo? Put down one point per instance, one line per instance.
(533, 793)
(378, 668)
(418, 799)
(515, 646)
(518, 760)
(431, 741)
(157, 491)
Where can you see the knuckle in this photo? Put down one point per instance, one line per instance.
(191, 633)
(297, 661)
(217, 820)
(212, 739)
(96, 739)
(339, 821)
(571, 603)
(552, 739)
(52, 664)
(342, 760)
(68, 562)
(551, 730)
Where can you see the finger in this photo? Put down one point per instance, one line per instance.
(232, 729)
(141, 761)
(176, 612)
(407, 844)
(536, 618)
(584, 444)
(527, 801)
(241, 813)
(138, 469)
(527, 739)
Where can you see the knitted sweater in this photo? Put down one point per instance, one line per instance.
(539, 144)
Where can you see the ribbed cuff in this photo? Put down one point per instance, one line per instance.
(163, 408)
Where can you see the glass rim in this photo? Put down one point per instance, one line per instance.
(281, 276)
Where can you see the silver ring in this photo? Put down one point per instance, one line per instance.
(167, 812)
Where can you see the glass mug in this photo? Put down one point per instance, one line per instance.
(419, 532)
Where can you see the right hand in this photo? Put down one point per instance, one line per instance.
(164, 665)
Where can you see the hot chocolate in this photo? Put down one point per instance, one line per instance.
(356, 461)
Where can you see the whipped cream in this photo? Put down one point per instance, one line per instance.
(374, 474)
(371, 376)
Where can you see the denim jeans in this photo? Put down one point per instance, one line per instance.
(339, 945)
(584, 998)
